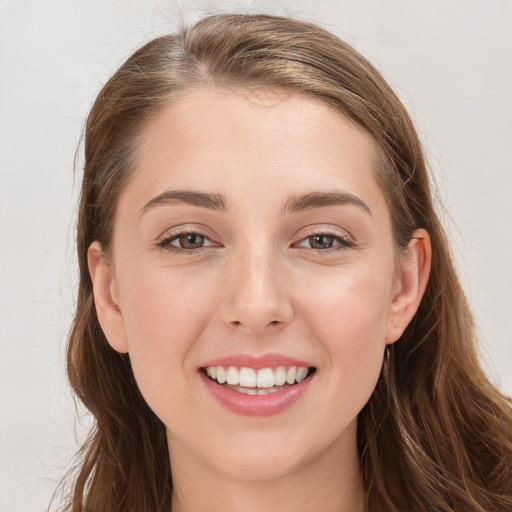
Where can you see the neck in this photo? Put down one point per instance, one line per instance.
(332, 482)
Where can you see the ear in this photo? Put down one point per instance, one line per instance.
(106, 298)
(411, 283)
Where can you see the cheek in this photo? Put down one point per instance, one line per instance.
(348, 318)
(163, 319)
(351, 307)
(165, 307)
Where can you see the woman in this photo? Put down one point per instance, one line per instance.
(268, 315)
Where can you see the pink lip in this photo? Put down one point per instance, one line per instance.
(256, 362)
(256, 405)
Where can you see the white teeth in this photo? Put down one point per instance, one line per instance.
(280, 376)
(247, 377)
(221, 375)
(301, 374)
(290, 376)
(253, 391)
(248, 391)
(266, 379)
(232, 376)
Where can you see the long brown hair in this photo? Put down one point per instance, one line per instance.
(435, 435)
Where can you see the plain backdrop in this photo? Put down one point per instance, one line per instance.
(449, 60)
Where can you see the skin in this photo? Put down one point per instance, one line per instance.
(257, 286)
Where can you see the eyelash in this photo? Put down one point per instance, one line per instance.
(343, 241)
(166, 242)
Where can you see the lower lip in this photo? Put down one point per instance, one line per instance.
(256, 405)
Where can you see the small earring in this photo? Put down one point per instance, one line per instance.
(386, 363)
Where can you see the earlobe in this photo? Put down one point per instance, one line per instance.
(412, 282)
(106, 298)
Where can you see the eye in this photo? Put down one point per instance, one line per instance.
(189, 241)
(325, 242)
(321, 241)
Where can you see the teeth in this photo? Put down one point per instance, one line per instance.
(247, 391)
(290, 376)
(232, 376)
(254, 391)
(264, 379)
(280, 376)
(301, 374)
(247, 377)
(221, 375)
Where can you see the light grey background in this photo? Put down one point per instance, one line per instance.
(449, 60)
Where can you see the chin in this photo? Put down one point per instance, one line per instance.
(254, 466)
(263, 456)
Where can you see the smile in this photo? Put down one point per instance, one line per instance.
(249, 387)
(261, 381)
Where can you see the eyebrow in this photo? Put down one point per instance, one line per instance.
(321, 199)
(202, 199)
(217, 202)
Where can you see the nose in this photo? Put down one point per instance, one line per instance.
(257, 294)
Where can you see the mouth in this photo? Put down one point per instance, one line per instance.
(258, 382)
(261, 385)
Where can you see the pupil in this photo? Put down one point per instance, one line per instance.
(191, 241)
(321, 241)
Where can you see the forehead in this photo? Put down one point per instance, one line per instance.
(239, 140)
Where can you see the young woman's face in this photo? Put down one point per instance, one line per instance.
(253, 239)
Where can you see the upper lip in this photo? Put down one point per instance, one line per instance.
(270, 360)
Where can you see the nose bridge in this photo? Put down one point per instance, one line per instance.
(258, 297)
